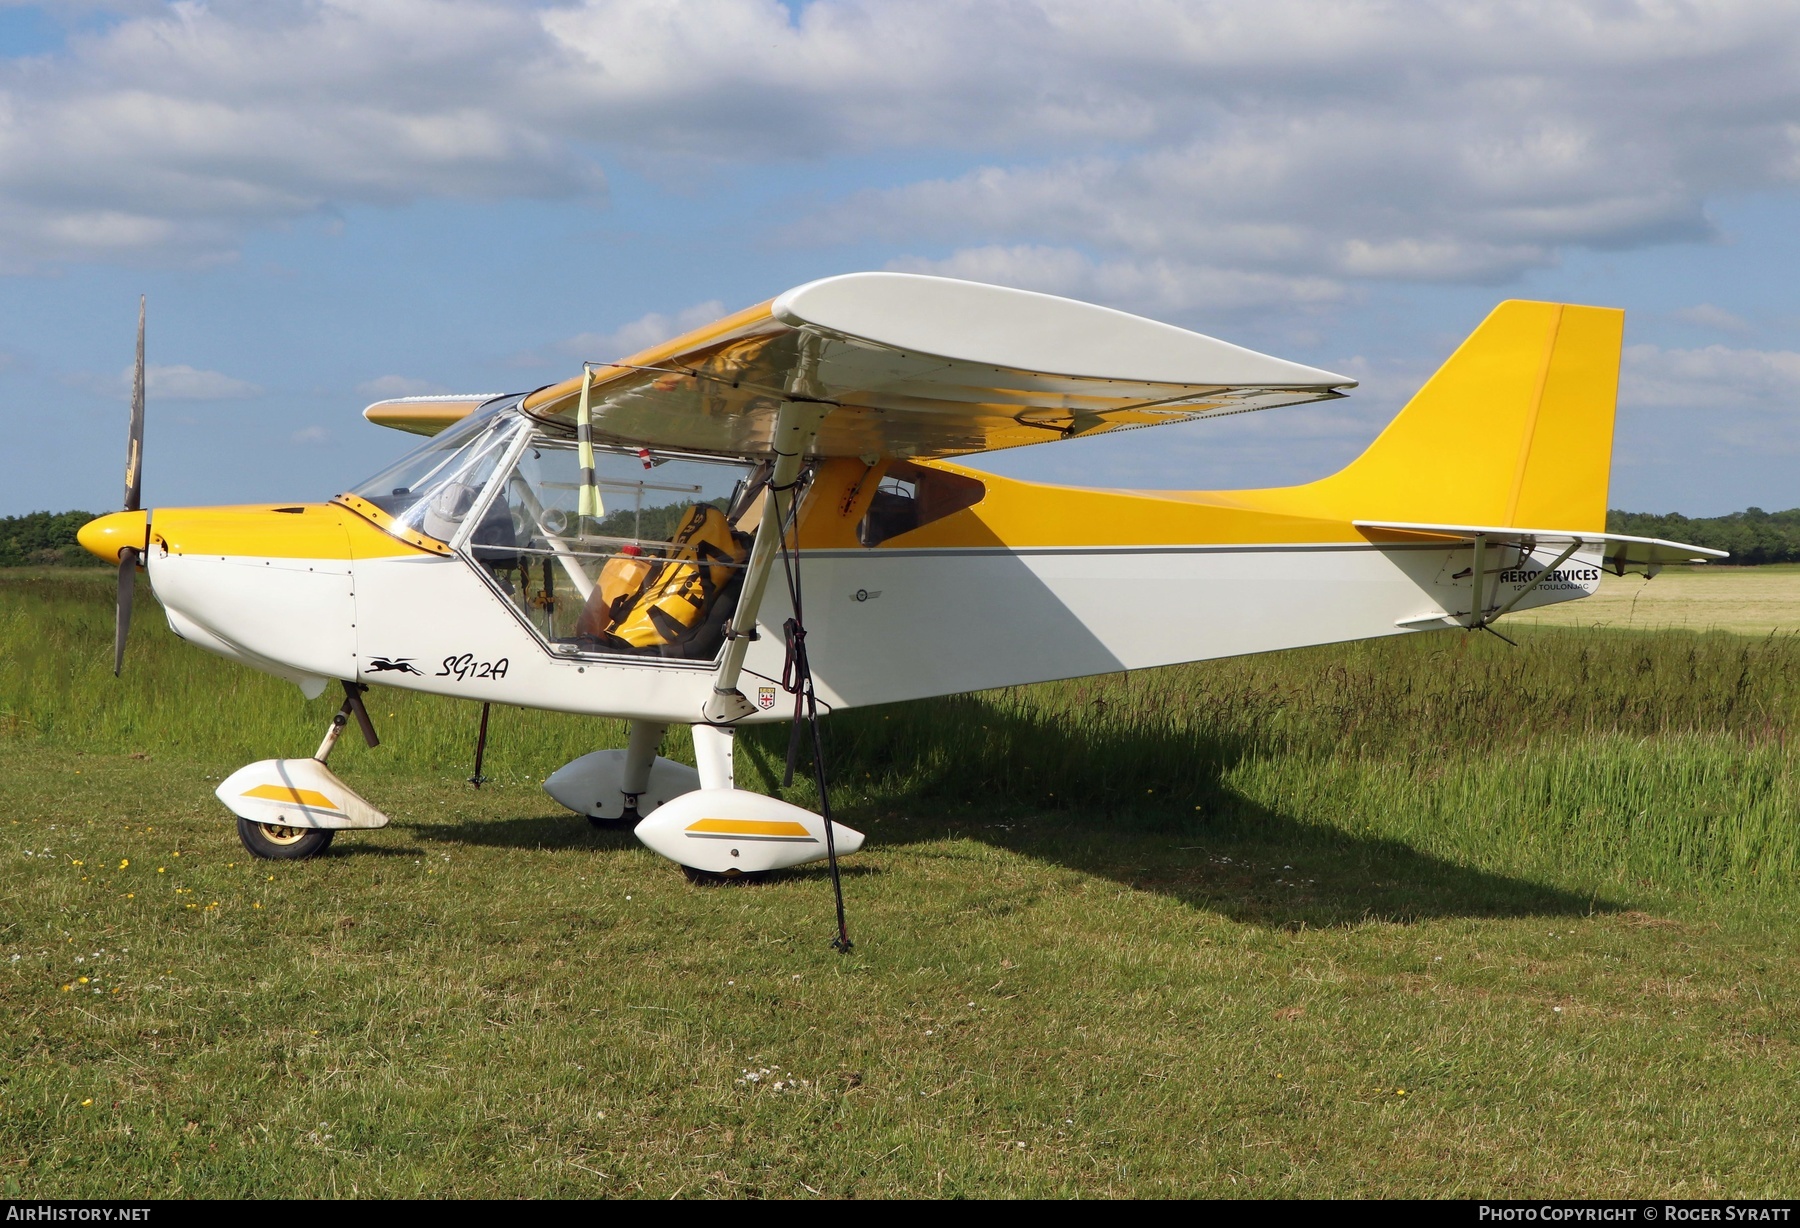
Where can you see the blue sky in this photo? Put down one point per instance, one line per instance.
(328, 202)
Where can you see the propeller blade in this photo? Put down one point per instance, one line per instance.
(128, 558)
(134, 446)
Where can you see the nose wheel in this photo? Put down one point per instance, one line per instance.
(273, 842)
(288, 809)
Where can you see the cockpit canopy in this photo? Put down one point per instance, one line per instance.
(649, 562)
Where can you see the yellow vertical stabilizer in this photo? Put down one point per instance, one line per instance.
(1515, 430)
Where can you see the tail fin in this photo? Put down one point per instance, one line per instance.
(1514, 430)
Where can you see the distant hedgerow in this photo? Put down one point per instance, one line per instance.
(44, 539)
(1753, 536)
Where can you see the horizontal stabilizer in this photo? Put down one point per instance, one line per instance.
(1619, 553)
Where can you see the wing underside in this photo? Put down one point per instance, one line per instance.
(922, 367)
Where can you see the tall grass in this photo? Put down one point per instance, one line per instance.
(1588, 759)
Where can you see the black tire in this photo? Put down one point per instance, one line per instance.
(730, 878)
(283, 843)
(629, 819)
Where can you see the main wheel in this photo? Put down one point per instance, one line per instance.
(282, 843)
(730, 878)
(628, 819)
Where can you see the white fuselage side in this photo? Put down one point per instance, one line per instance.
(883, 625)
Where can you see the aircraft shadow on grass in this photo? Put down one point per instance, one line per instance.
(1195, 839)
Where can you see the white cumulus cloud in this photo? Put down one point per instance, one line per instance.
(640, 334)
(1162, 142)
(180, 382)
(1151, 284)
(1712, 378)
(1705, 315)
(385, 386)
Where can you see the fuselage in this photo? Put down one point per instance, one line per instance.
(993, 582)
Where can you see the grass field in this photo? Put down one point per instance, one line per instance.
(1747, 600)
(1430, 916)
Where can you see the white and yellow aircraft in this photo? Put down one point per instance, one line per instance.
(606, 545)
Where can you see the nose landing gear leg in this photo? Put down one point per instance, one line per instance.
(288, 809)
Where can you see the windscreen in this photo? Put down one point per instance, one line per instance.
(432, 489)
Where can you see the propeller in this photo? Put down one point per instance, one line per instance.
(134, 474)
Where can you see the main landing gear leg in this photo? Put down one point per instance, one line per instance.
(713, 745)
(640, 754)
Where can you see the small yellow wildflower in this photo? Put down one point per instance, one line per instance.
(67, 988)
(79, 862)
(176, 853)
(85, 1103)
(81, 980)
(131, 895)
(162, 869)
(258, 904)
(123, 862)
(1400, 1091)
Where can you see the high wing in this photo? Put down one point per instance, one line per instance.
(921, 367)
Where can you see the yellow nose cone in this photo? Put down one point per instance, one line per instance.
(106, 536)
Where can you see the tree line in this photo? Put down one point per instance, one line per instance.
(44, 539)
(47, 539)
(1753, 536)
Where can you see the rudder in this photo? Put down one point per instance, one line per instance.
(1515, 429)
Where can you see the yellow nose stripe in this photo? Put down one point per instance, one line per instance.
(748, 827)
(298, 797)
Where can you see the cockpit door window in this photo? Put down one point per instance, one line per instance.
(652, 570)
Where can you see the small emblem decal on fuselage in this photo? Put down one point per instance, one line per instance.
(391, 665)
(765, 697)
(865, 594)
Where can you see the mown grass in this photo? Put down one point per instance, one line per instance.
(1747, 600)
(1427, 916)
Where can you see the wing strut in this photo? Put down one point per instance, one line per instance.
(796, 425)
